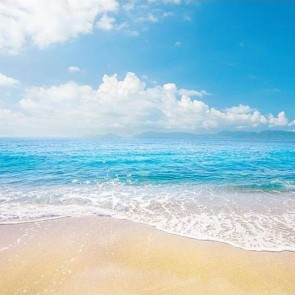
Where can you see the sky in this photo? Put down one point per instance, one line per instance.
(91, 67)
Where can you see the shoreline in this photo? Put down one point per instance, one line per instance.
(90, 255)
(152, 226)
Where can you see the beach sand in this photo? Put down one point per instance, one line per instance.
(103, 255)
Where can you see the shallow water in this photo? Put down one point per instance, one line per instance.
(241, 193)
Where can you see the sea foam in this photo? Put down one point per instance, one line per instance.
(253, 220)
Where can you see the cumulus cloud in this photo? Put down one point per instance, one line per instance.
(7, 81)
(43, 22)
(74, 69)
(125, 107)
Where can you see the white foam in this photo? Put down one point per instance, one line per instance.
(257, 221)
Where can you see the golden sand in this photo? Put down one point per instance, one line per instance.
(102, 255)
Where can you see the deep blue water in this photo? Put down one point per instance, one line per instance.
(242, 193)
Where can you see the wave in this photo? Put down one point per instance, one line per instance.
(253, 219)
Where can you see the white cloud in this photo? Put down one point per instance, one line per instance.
(43, 22)
(147, 18)
(280, 120)
(187, 92)
(74, 69)
(105, 22)
(240, 109)
(170, 1)
(7, 81)
(124, 107)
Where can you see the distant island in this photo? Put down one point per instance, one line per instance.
(275, 135)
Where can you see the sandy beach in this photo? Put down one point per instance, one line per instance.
(102, 255)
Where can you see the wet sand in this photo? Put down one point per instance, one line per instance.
(102, 255)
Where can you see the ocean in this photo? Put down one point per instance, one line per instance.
(240, 193)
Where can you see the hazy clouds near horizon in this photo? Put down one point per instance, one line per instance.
(126, 107)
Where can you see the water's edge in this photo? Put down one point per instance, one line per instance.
(279, 250)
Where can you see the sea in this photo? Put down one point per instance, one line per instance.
(237, 192)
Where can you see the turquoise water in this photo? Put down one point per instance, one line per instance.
(241, 193)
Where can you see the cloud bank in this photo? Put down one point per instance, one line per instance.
(42, 23)
(125, 107)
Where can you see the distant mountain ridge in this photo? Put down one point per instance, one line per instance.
(276, 135)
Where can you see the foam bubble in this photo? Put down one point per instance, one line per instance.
(254, 220)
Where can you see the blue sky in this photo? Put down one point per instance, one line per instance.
(241, 53)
